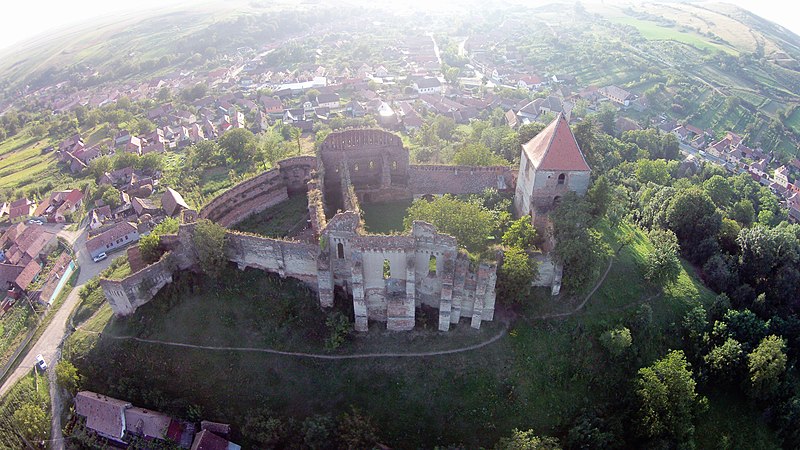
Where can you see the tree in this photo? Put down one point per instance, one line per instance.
(239, 144)
(31, 422)
(470, 223)
(318, 433)
(520, 234)
(653, 171)
(356, 431)
(150, 245)
(693, 217)
(477, 154)
(719, 190)
(209, 243)
(743, 212)
(125, 159)
(527, 440)
(767, 364)
(578, 246)
(149, 248)
(662, 266)
(339, 327)
(111, 196)
(617, 340)
(265, 428)
(515, 275)
(668, 402)
(99, 166)
(725, 361)
(599, 196)
(68, 377)
(529, 131)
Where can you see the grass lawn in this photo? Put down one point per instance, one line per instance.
(654, 31)
(385, 218)
(539, 376)
(279, 220)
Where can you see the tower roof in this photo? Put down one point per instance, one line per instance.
(555, 148)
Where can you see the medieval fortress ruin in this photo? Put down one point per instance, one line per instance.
(387, 276)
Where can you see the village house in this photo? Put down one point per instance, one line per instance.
(428, 85)
(328, 100)
(172, 202)
(100, 216)
(21, 209)
(118, 420)
(616, 94)
(118, 236)
(59, 204)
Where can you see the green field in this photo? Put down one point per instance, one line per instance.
(539, 376)
(654, 31)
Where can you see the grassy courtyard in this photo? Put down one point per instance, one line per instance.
(540, 375)
(385, 218)
(279, 220)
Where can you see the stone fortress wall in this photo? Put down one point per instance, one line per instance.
(424, 267)
(260, 192)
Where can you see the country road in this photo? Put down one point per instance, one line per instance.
(48, 342)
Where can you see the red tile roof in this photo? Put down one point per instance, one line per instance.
(103, 414)
(555, 148)
(206, 440)
(28, 274)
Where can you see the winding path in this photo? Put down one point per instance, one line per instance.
(492, 340)
(585, 300)
(495, 338)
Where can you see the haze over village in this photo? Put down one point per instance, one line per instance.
(353, 226)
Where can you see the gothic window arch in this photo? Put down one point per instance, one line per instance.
(562, 178)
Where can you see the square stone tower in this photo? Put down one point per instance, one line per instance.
(551, 165)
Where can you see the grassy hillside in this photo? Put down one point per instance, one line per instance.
(539, 376)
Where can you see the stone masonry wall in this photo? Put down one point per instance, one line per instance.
(260, 192)
(439, 179)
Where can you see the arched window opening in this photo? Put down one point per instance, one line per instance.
(394, 165)
(556, 201)
(355, 168)
(387, 269)
(371, 164)
(340, 250)
(432, 266)
(562, 178)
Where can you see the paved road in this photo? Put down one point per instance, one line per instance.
(51, 338)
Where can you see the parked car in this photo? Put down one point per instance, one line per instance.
(100, 257)
(40, 362)
(35, 222)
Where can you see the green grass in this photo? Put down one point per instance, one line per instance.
(653, 31)
(385, 218)
(279, 220)
(731, 423)
(539, 376)
(793, 120)
(119, 268)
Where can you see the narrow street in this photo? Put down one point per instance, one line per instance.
(48, 343)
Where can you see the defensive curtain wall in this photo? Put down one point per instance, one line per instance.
(424, 267)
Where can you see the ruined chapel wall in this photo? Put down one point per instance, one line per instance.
(286, 258)
(440, 179)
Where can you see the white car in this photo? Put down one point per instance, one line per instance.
(40, 362)
(100, 257)
(35, 222)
